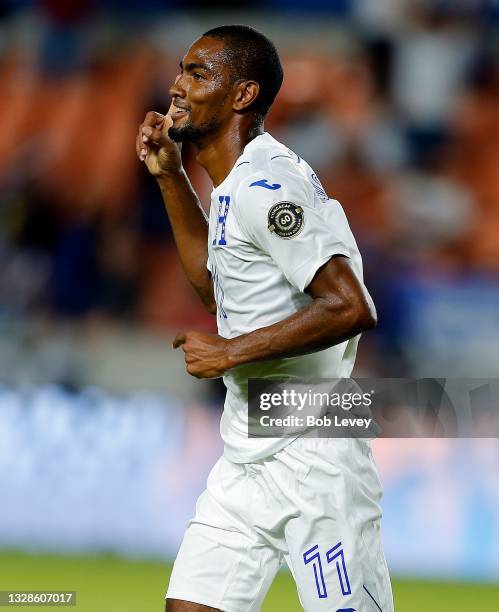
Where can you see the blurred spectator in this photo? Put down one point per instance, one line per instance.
(431, 58)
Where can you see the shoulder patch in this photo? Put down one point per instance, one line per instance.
(286, 219)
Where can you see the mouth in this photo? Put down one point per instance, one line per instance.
(179, 111)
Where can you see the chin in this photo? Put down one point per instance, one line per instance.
(191, 133)
(185, 133)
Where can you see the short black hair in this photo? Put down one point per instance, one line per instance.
(252, 56)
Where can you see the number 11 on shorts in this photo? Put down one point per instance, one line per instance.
(334, 554)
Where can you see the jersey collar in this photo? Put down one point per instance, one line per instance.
(258, 141)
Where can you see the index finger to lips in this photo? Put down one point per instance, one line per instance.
(153, 119)
(170, 110)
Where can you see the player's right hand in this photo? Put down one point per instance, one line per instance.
(154, 147)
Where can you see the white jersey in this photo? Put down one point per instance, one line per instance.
(271, 228)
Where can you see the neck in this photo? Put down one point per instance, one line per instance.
(220, 153)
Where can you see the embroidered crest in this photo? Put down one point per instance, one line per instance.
(286, 219)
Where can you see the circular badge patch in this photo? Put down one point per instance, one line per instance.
(286, 219)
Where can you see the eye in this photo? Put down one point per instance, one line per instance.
(197, 76)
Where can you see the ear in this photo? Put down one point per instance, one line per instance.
(246, 94)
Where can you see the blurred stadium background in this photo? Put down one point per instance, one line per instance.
(105, 442)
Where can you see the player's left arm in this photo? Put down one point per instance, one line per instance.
(341, 308)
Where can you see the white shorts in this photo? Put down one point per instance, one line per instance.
(315, 505)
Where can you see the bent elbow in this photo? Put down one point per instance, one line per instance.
(366, 317)
(359, 315)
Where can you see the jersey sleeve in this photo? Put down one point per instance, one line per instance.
(286, 222)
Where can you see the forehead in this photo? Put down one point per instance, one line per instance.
(211, 52)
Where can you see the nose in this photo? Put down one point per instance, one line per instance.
(177, 89)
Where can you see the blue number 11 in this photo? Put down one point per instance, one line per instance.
(312, 555)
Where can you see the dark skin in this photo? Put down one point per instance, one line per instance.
(204, 94)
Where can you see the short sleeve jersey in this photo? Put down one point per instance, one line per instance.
(272, 226)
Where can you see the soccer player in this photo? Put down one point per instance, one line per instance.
(278, 264)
